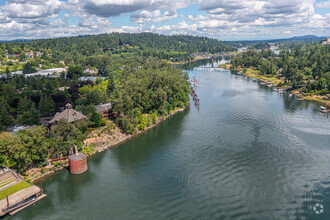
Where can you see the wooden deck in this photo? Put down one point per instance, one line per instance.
(16, 199)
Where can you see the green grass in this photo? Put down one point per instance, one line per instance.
(11, 190)
(7, 182)
(252, 71)
(257, 74)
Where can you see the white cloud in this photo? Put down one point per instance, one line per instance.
(223, 19)
(32, 9)
(325, 4)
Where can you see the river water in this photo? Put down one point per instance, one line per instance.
(246, 153)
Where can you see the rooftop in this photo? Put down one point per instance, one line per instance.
(104, 107)
(69, 114)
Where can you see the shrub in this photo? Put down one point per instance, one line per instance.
(103, 122)
(89, 150)
(57, 164)
(43, 170)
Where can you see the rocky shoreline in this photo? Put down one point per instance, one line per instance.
(101, 143)
(325, 101)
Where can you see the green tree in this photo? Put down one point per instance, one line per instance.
(90, 111)
(24, 105)
(30, 117)
(28, 68)
(30, 149)
(6, 119)
(321, 83)
(309, 86)
(65, 136)
(6, 142)
(75, 71)
(46, 105)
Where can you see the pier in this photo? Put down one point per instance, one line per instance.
(20, 193)
(208, 69)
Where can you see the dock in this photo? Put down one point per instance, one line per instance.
(25, 195)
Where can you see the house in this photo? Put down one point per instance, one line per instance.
(327, 42)
(105, 110)
(29, 54)
(91, 78)
(69, 114)
(55, 72)
(91, 71)
(63, 89)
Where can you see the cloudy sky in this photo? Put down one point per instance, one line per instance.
(221, 19)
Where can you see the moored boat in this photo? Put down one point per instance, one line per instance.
(324, 109)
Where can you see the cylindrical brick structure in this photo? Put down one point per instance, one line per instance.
(78, 163)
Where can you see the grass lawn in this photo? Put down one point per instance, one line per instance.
(253, 73)
(15, 188)
(316, 99)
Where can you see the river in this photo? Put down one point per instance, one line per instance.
(246, 153)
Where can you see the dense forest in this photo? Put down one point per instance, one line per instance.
(303, 65)
(95, 50)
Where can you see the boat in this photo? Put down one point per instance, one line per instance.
(324, 109)
(270, 85)
(275, 89)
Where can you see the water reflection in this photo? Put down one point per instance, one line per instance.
(204, 62)
(141, 150)
(248, 153)
(316, 202)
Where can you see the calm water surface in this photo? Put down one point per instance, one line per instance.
(247, 153)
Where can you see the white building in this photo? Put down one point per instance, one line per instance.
(55, 72)
(91, 78)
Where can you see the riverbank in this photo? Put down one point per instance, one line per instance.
(114, 137)
(203, 58)
(98, 141)
(191, 61)
(278, 82)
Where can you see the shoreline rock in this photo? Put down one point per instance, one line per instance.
(36, 175)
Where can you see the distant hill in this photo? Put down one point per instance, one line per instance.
(297, 39)
(304, 37)
(16, 40)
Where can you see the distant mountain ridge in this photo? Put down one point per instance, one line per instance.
(304, 38)
(310, 38)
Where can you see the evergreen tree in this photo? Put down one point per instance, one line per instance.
(309, 86)
(30, 117)
(6, 119)
(49, 85)
(46, 105)
(24, 105)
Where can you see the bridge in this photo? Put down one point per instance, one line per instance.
(218, 69)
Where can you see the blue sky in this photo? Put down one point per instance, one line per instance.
(221, 19)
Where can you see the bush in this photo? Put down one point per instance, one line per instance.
(89, 150)
(57, 164)
(322, 92)
(43, 170)
(103, 122)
